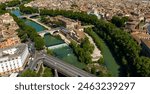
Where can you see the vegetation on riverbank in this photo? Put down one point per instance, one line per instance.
(28, 10)
(13, 3)
(107, 56)
(124, 47)
(25, 31)
(118, 21)
(83, 51)
(2, 8)
(29, 32)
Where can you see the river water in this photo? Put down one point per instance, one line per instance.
(66, 53)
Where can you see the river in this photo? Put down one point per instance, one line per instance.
(66, 53)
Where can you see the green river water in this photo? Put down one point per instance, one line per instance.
(66, 53)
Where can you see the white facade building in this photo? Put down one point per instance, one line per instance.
(13, 59)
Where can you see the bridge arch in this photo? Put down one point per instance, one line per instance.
(46, 33)
(33, 15)
(52, 32)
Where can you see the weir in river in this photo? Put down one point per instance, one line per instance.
(66, 53)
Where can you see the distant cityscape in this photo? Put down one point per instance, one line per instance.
(55, 38)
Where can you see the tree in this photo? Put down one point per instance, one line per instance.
(83, 51)
(50, 52)
(143, 66)
(29, 73)
(28, 10)
(39, 43)
(2, 8)
(119, 21)
(120, 42)
(13, 3)
(22, 35)
(101, 60)
(29, 32)
(47, 72)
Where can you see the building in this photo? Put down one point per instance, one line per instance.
(9, 42)
(13, 59)
(8, 34)
(68, 23)
(138, 36)
(73, 29)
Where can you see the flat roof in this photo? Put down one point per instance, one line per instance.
(17, 49)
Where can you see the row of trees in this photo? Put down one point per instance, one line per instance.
(2, 8)
(94, 36)
(124, 47)
(97, 41)
(28, 10)
(29, 32)
(17, 2)
(83, 51)
(13, 3)
(25, 31)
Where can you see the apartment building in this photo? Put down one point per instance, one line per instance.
(13, 59)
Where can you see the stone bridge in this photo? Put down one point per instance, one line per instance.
(52, 32)
(29, 16)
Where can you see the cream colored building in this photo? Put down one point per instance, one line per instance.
(13, 59)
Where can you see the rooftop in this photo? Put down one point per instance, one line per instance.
(141, 35)
(146, 42)
(12, 51)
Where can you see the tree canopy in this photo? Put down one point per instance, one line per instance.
(121, 43)
(30, 33)
(118, 21)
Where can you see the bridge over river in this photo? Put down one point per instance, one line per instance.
(60, 66)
